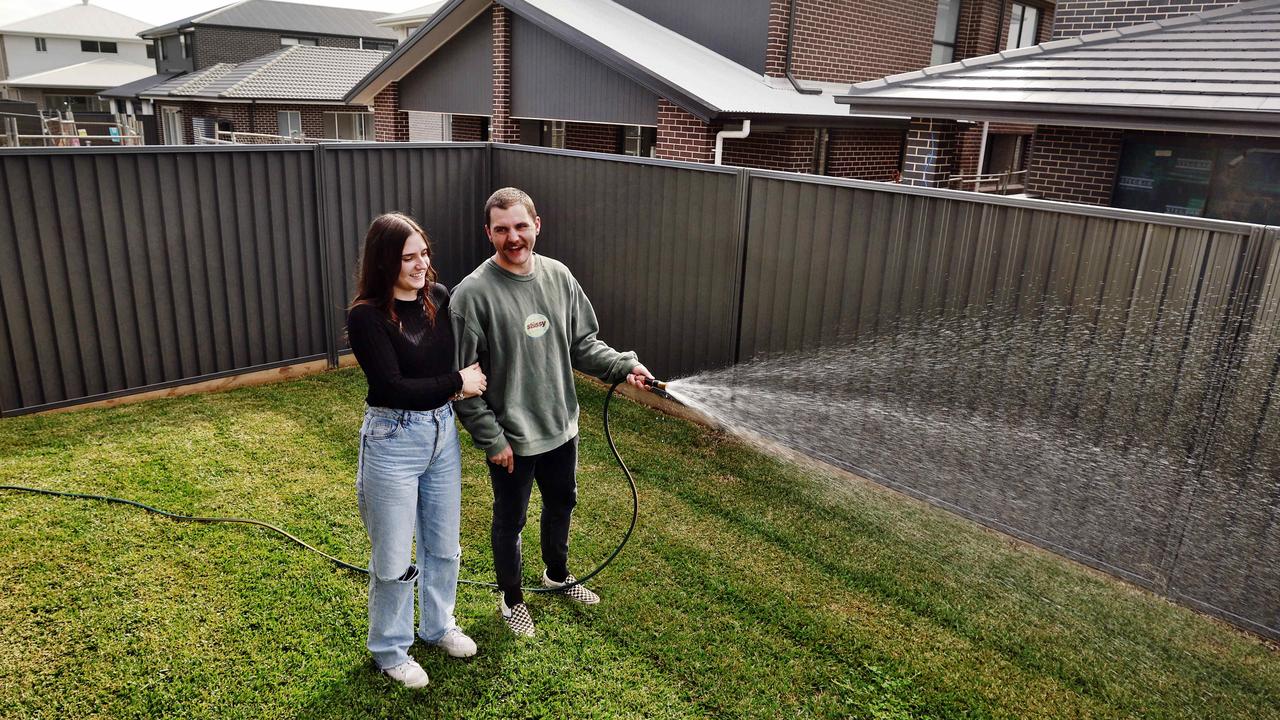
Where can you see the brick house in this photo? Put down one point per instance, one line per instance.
(1179, 113)
(239, 33)
(742, 82)
(296, 91)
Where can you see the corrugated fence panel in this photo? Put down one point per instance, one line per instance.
(440, 186)
(135, 269)
(655, 247)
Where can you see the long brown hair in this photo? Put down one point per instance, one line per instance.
(380, 265)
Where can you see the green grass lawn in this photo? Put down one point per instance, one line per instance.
(751, 588)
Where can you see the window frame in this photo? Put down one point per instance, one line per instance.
(289, 40)
(42, 44)
(382, 45)
(955, 33)
(361, 125)
(1025, 7)
(290, 114)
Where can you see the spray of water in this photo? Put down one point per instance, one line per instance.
(1109, 440)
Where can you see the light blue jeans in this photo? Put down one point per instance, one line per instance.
(410, 474)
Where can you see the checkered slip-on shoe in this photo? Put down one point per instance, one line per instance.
(517, 618)
(577, 593)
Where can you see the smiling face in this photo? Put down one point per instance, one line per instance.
(415, 259)
(513, 233)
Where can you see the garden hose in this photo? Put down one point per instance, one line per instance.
(635, 512)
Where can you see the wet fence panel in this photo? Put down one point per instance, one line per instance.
(654, 245)
(134, 269)
(443, 187)
(1051, 370)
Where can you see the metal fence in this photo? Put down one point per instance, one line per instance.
(130, 269)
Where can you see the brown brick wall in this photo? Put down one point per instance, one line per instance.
(591, 137)
(983, 28)
(870, 154)
(851, 41)
(390, 123)
(1074, 164)
(789, 151)
(255, 118)
(502, 128)
(468, 128)
(213, 45)
(1081, 17)
(930, 152)
(682, 136)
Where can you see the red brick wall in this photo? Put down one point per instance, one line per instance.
(502, 128)
(930, 153)
(1074, 164)
(467, 128)
(390, 123)
(591, 137)
(870, 154)
(1081, 17)
(848, 41)
(255, 118)
(682, 136)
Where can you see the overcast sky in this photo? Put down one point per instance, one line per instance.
(160, 12)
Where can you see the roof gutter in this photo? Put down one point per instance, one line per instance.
(791, 32)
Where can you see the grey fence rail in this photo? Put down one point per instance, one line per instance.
(1151, 336)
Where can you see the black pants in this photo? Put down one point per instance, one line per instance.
(556, 474)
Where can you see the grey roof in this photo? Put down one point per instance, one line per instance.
(81, 21)
(413, 15)
(137, 87)
(1216, 71)
(671, 65)
(287, 16)
(298, 73)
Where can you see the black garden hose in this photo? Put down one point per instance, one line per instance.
(635, 512)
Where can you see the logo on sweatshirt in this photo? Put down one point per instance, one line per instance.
(536, 325)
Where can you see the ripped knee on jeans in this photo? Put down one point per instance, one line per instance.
(408, 576)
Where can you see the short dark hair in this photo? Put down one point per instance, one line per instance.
(505, 198)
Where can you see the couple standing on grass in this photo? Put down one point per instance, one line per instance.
(517, 326)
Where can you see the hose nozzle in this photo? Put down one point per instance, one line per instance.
(657, 387)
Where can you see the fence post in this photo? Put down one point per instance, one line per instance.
(328, 271)
(743, 222)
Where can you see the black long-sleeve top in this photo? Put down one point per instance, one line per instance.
(410, 366)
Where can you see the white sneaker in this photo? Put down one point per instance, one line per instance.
(517, 618)
(577, 593)
(457, 644)
(409, 674)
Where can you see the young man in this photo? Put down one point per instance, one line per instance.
(526, 320)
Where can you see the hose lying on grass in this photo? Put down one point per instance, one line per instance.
(635, 512)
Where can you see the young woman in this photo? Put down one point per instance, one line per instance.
(409, 476)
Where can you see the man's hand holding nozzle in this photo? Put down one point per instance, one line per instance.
(640, 377)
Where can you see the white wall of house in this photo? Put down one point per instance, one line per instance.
(23, 58)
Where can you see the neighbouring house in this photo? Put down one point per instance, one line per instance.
(1180, 114)
(293, 92)
(423, 126)
(61, 59)
(239, 33)
(742, 82)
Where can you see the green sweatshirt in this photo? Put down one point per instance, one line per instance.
(529, 333)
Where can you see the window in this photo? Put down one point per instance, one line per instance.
(289, 123)
(185, 41)
(944, 32)
(42, 45)
(95, 46)
(1024, 21)
(297, 41)
(76, 103)
(638, 140)
(555, 132)
(383, 45)
(151, 51)
(160, 51)
(172, 125)
(348, 126)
